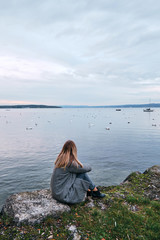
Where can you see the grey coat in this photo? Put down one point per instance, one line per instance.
(66, 187)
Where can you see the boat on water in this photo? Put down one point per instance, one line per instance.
(148, 110)
(118, 109)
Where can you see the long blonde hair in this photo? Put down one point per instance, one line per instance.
(67, 156)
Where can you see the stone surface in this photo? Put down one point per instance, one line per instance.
(101, 205)
(153, 189)
(73, 230)
(90, 203)
(153, 170)
(33, 207)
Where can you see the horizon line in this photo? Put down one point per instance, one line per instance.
(74, 106)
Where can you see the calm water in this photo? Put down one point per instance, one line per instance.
(27, 156)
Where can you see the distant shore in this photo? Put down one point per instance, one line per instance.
(150, 105)
(28, 106)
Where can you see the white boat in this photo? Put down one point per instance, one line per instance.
(148, 110)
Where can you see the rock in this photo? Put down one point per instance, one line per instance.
(50, 237)
(130, 176)
(153, 189)
(118, 195)
(134, 208)
(74, 232)
(101, 205)
(33, 207)
(90, 204)
(153, 170)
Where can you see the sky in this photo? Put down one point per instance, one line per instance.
(87, 52)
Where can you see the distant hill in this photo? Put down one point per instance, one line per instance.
(28, 106)
(150, 105)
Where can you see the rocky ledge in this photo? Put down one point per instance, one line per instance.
(148, 183)
(33, 207)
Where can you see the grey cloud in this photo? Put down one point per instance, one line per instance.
(105, 45)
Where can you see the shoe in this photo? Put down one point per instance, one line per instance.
(89, 193)
(98, 194)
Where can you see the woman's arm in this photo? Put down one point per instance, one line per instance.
(78, 169)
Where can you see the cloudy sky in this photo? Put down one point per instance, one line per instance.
(93, 52)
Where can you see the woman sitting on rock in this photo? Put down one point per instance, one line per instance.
(70, 182)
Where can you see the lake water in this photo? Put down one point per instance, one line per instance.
(30, 140)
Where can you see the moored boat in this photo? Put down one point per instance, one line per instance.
(148, 110)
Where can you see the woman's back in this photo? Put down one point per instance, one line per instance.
(65, 185)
